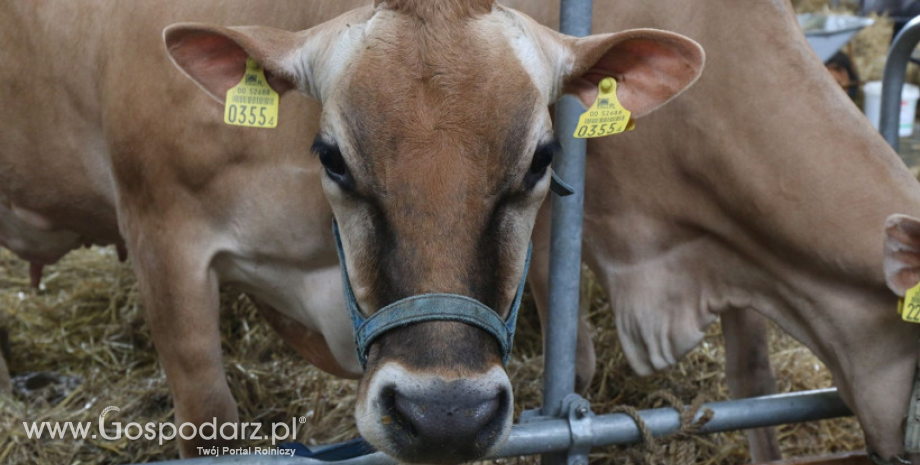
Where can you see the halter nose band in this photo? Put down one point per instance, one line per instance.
(429, 307)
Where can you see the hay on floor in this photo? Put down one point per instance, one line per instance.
(87, 328)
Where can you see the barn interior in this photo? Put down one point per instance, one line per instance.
(79, 343)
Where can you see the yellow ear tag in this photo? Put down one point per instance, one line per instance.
(909, 306)
(606, 116)
(252, 102)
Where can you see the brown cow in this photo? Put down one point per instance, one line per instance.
(753, 191)
(434, 140)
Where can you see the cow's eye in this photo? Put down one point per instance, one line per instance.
(542, 158)
(331, 158)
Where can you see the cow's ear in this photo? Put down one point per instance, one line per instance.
(215, 57)
(902, 253)
(310, 61)
(651, 67)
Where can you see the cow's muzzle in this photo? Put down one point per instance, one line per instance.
(419, 418)
(429, 307)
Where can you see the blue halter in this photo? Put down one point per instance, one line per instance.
(428, 307)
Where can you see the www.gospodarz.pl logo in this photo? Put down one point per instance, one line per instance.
(247, 431)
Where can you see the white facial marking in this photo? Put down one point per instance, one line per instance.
(321, 63)
(545, 61)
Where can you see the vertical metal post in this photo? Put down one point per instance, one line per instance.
(893, 80)
(565, 246)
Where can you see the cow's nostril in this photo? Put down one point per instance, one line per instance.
(392, 416)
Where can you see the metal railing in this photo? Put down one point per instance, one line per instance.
(565, 250)
(558, 436)
(893, 80)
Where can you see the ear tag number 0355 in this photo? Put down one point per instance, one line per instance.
(909, 306)
(252, 102)
(606, 116)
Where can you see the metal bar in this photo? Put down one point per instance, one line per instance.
(620, 429)
(893, 81)
(564, 265)
(547, 436)
(565, 246)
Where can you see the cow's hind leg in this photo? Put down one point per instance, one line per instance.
(748, 373)
(182, 304)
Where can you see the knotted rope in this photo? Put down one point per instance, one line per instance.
(675, 448)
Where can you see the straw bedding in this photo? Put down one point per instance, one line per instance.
(85, 333)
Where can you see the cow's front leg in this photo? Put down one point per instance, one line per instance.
(180, 292)
(749, 374)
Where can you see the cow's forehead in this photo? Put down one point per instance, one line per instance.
(454, 89)
(428, 10)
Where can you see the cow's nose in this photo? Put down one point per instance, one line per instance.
(455, 418)
(424, 418)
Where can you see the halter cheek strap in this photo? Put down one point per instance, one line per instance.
(428, 307)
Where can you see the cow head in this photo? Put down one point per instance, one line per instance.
(436, 142)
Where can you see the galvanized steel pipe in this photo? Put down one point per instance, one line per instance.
(565, 247)
(617, 429)
(893, 81)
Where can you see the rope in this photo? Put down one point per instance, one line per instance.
(649, 452)
(677, 445)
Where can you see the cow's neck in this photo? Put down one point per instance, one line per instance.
(782, 151)
(778, 164)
